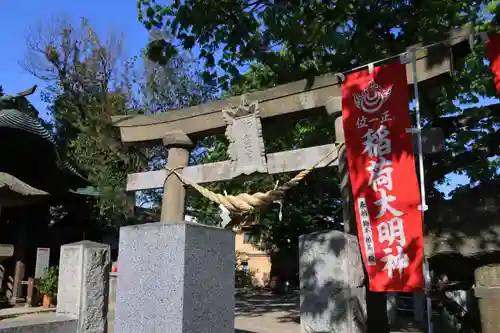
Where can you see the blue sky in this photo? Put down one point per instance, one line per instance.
(17, 16)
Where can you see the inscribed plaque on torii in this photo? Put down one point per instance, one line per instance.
(246, 145)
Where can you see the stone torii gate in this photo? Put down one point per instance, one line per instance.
(242, 125)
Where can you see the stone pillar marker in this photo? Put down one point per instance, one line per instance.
(487, 292)
(419, 307)
(83, 285)
(175, 278)
(392, 308)
(332, 291)
(174, 193)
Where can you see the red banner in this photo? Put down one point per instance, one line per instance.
(493, 53)
(384, 182)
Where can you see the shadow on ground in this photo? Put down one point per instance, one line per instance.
(257, 303)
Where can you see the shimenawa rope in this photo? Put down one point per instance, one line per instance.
(245, 203)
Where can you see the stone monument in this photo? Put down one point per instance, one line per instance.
(332, 291)
(175, 278)
(84, 285)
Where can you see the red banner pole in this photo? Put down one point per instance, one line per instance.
(423, 207)
(375, 116)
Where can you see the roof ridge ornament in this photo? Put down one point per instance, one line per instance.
(24, 93)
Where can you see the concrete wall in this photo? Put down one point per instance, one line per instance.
(247, 248)
(259, 262)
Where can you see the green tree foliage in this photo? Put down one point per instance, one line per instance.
(174, 84)
(86, 87)
(90, 80)
(473, 141)
(283, 41)
(300, 38)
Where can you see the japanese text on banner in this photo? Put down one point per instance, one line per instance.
(382, 171)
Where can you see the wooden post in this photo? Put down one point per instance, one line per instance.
(29, 292)
(174, 193)
(17, 289)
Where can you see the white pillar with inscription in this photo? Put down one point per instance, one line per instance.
(84, 285)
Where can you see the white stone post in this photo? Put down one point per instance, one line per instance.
(83, 285)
